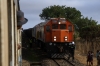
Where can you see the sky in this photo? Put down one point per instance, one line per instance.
(32, 9)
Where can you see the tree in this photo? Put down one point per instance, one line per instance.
(84, 22)
(60, 11)
(72, 14)
(90, 34)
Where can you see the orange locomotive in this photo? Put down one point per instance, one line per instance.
(54, 35)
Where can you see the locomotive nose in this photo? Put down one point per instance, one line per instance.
(60, 36)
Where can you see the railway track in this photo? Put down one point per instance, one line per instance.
(69, 62)
(56, 62)
(63, 62)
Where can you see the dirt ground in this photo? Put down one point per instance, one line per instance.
(82, 58)
(33, 56)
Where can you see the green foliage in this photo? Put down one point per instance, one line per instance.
(86, 28)
(60, 11)
(90, 32)
(52, 12)
(85, 21)
(72, 14)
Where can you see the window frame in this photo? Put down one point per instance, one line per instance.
(63, 25)
(53, 26)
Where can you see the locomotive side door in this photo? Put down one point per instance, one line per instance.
(48, 33)
(70, 28)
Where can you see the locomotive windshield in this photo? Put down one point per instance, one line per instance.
(54, 26)
(62, 26)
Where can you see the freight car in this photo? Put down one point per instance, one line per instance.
(54, 35)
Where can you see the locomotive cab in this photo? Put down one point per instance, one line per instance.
(59, 30)
(59, 33)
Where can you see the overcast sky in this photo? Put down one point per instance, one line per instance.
(32, 9)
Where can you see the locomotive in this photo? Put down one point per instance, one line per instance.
(54, 36)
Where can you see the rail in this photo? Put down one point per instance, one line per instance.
(56, 62)
(68, 62)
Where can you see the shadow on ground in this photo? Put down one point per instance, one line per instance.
(33, 55)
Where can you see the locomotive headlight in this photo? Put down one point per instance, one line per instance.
(59, 23)
(65, 37)
(54, 39)
(54, 36)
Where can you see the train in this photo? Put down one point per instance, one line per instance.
(54, 36)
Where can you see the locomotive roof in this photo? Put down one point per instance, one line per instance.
(41, 24)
